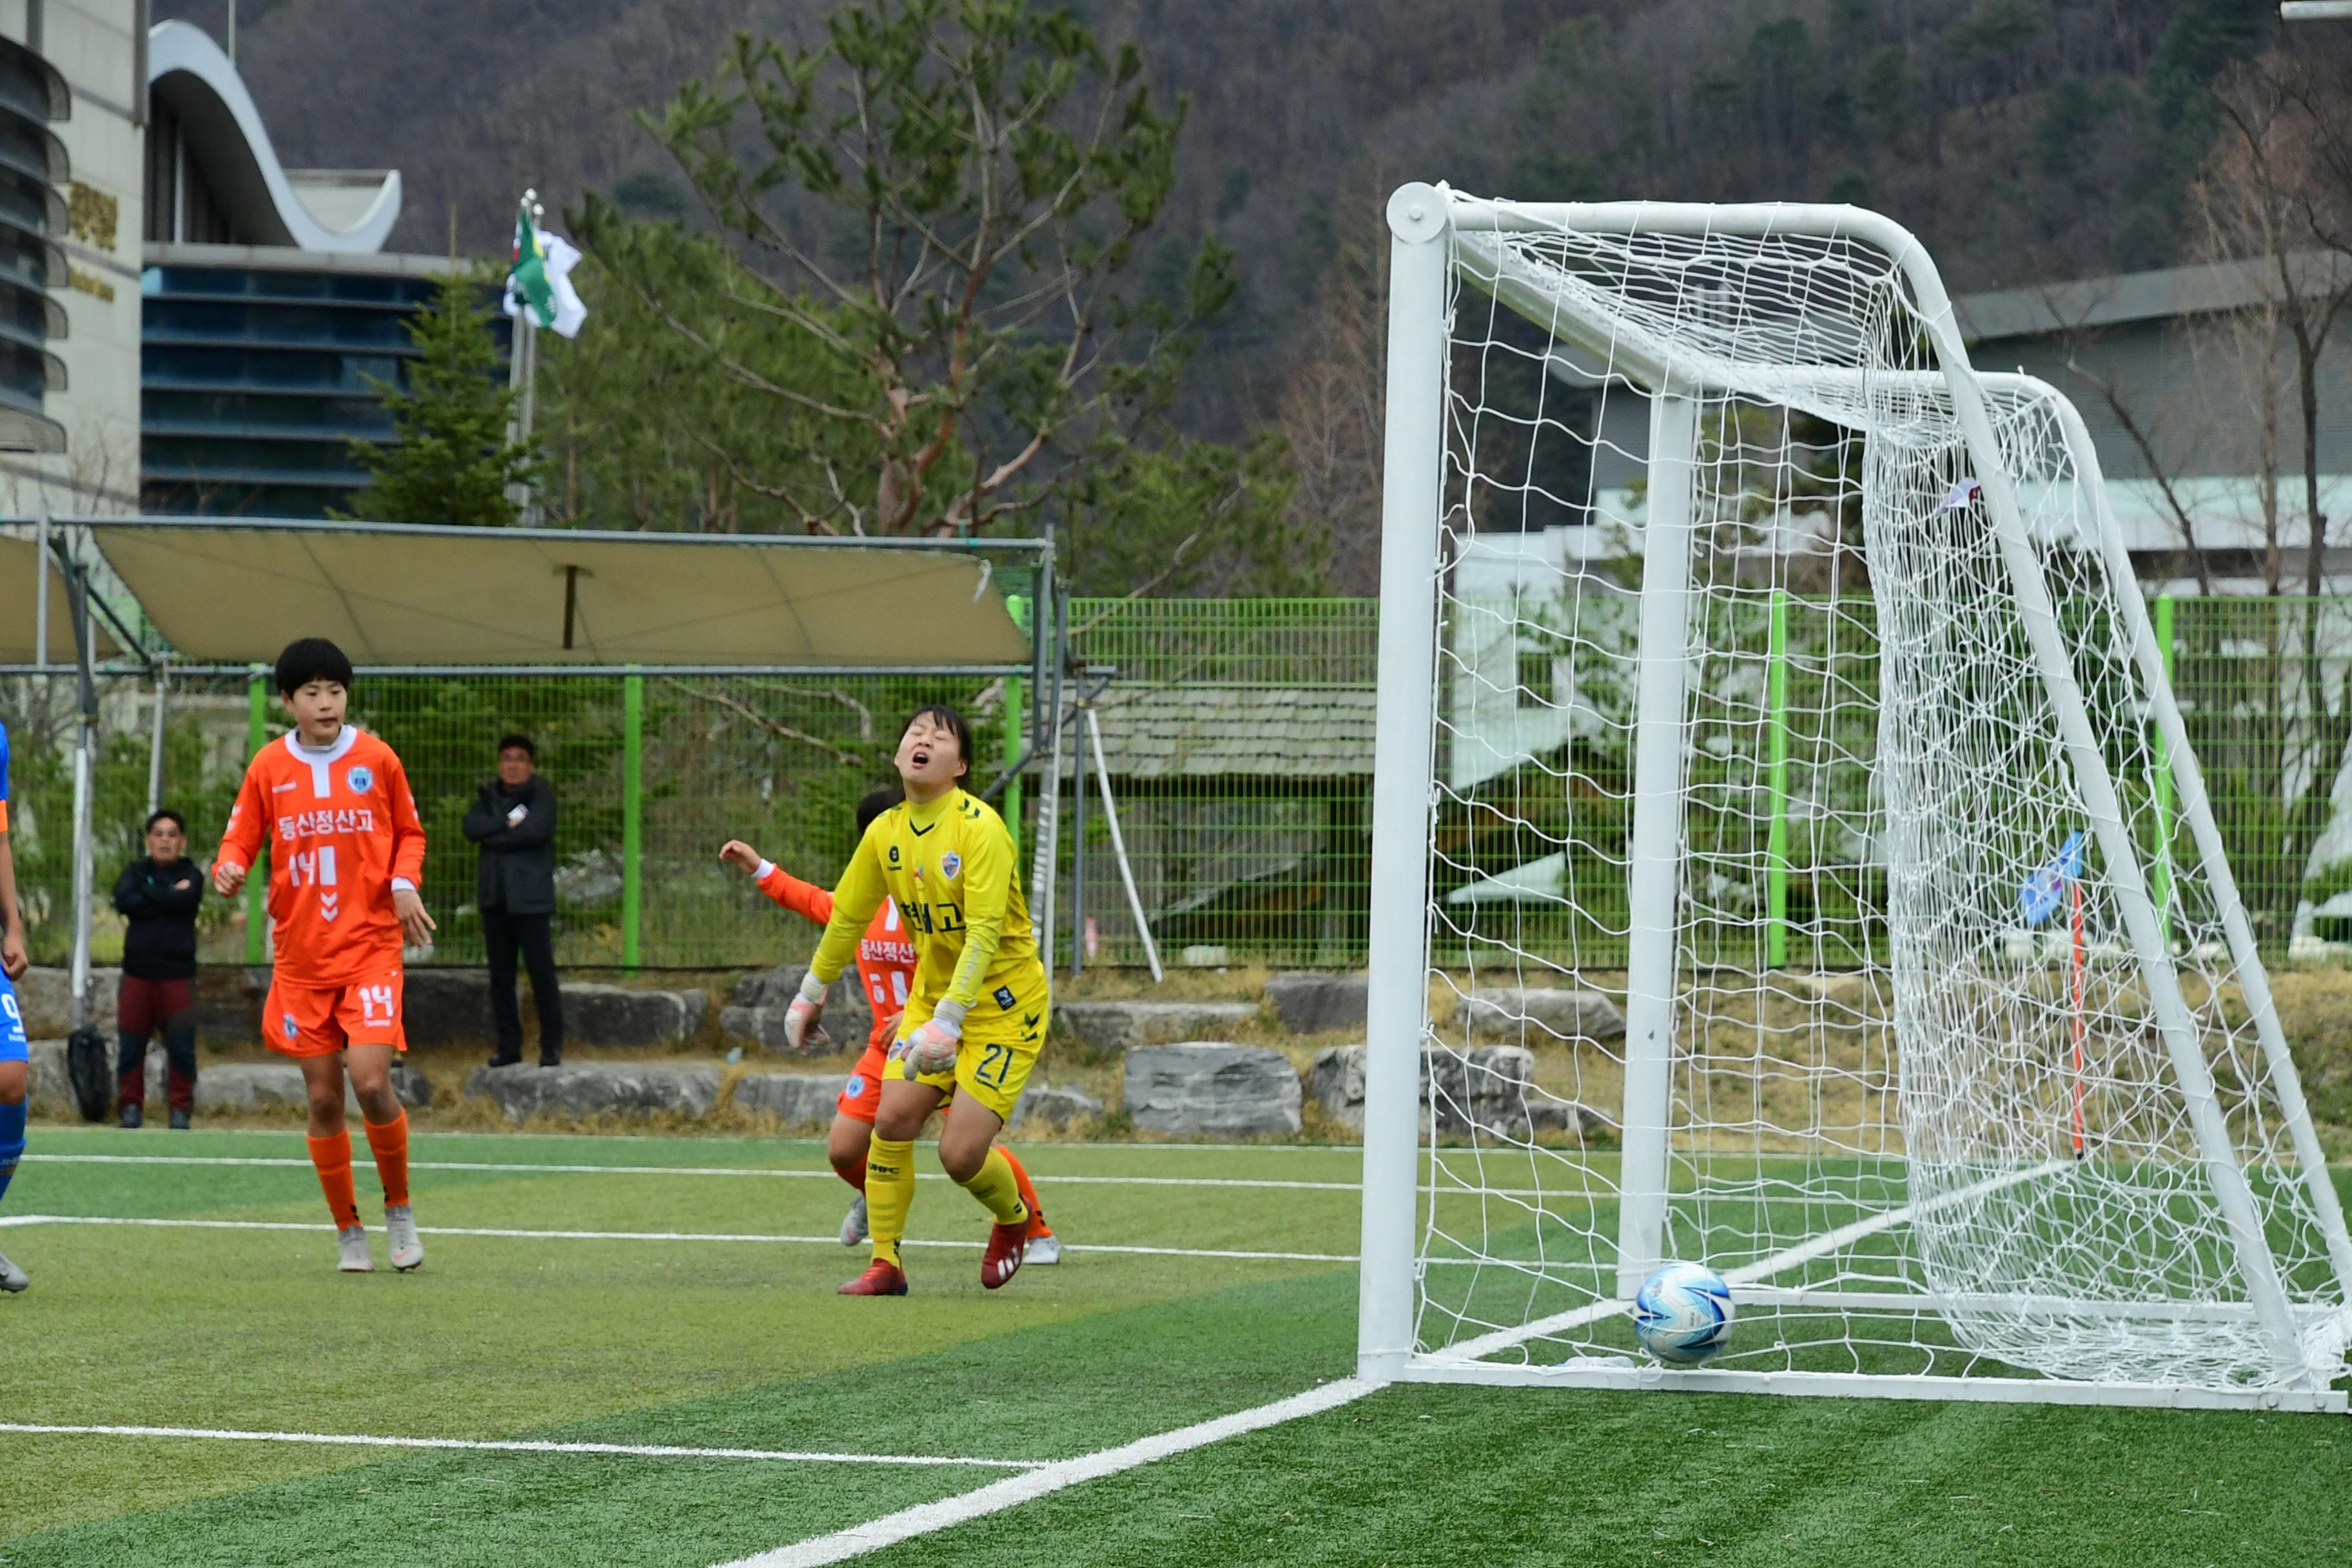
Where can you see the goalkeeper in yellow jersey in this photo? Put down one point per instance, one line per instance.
(977, 1013)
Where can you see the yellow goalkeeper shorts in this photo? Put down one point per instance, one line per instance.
(1001, 1036)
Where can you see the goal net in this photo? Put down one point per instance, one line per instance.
(1812, 878)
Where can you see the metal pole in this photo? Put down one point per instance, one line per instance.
(85, 748)
(1654, 873)
(1776, 852)
(1078, 847)
(1118, 850)
(1044, 874)
(633, 810)
(41, 597)
(2192, 1074)
(1010, 805)
(1397, 989)
(2221, 887)
(257, 882)
(156, 739)
(2160, 870)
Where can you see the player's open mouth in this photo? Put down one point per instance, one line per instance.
(923, 757)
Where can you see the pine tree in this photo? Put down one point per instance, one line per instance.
(454, 462)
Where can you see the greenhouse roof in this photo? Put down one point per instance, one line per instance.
(239, 591)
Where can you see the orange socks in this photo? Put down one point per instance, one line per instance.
(389, 1144)
(1028, 1192)
(332, 1156)
(855, 1175)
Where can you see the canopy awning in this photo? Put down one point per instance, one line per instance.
(234, 592)
(19, 609)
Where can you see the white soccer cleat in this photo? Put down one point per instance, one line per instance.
(352, 1240)
(1045, 1251)
(400, 1232)
(12, 1279)
(853, 1223)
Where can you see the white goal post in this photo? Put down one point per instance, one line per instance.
(1747, 655)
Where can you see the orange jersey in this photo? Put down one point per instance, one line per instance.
(886, 953)
(341, 829)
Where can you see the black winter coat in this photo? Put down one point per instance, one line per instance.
(161, 904)
(518, 868)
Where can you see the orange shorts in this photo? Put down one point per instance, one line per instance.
(319, 1020)
(863, 1091)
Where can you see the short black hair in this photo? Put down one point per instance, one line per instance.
(518, 742)
(949, 720)
(306, 660)
(167, 814)
(876, 803)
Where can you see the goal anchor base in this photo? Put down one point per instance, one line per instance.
(1869, 1385)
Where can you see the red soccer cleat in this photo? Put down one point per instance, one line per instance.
(1006, 1245)
(880, 1278)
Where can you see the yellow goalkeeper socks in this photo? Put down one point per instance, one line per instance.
(889, 1194)
(996, 1186)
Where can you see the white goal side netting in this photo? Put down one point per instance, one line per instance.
(1936, 1107)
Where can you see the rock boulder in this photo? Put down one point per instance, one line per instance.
(755, 1012)
(623, 1015)
(1316, 1004)
(1209, 1088)
(1041, 1103)
(1529, 1016)
(45, 997)
(795, 1099)
(1114, 1026)
(597, 1088)
(1485, 1090)
(449, 1008)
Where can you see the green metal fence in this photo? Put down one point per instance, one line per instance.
(1238, 738)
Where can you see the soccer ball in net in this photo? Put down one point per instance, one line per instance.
(1683, 1313)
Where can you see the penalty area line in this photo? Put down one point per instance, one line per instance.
(1014, 1490)
(753, 1237)
(513, 1446)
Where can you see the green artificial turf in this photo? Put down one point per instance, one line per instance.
(737, 1344)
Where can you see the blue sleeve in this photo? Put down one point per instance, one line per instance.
(3, 764)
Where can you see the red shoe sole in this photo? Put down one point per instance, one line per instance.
(879, 1280)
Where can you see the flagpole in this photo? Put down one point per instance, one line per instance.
(522, 377)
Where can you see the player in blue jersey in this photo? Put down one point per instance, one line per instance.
(15, 1060)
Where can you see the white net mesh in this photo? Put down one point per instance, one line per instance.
(1926, 1114)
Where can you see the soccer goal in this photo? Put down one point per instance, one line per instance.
(1828, 728)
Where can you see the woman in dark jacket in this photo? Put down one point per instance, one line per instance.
(513, 819)
(160, 896)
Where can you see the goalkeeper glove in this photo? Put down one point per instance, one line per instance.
(801, 1034)
(932, 1048)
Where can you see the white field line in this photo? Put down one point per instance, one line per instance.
(1014, 1490)
(194, 1134)
(1805, 1251)
(516, 1445)
(1454, 1187)
(583, 1169)
(1068, 1248)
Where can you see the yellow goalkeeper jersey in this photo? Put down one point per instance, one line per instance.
(949, 865)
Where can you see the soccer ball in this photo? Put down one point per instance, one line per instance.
(1683, 1313)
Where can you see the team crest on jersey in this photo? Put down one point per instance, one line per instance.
(1004, 997)
(855, 1087)
(893, 854)
(949, 864)
(361, 780)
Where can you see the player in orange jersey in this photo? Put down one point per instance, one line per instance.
(346, 857)
(886, 967)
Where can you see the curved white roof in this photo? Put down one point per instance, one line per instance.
(348, 211)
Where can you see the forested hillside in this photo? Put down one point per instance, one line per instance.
(2024, 140)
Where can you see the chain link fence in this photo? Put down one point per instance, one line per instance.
(1237, 735)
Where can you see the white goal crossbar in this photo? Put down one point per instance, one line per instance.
(1443, 243)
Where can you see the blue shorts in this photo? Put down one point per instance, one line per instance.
(13, 1048)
